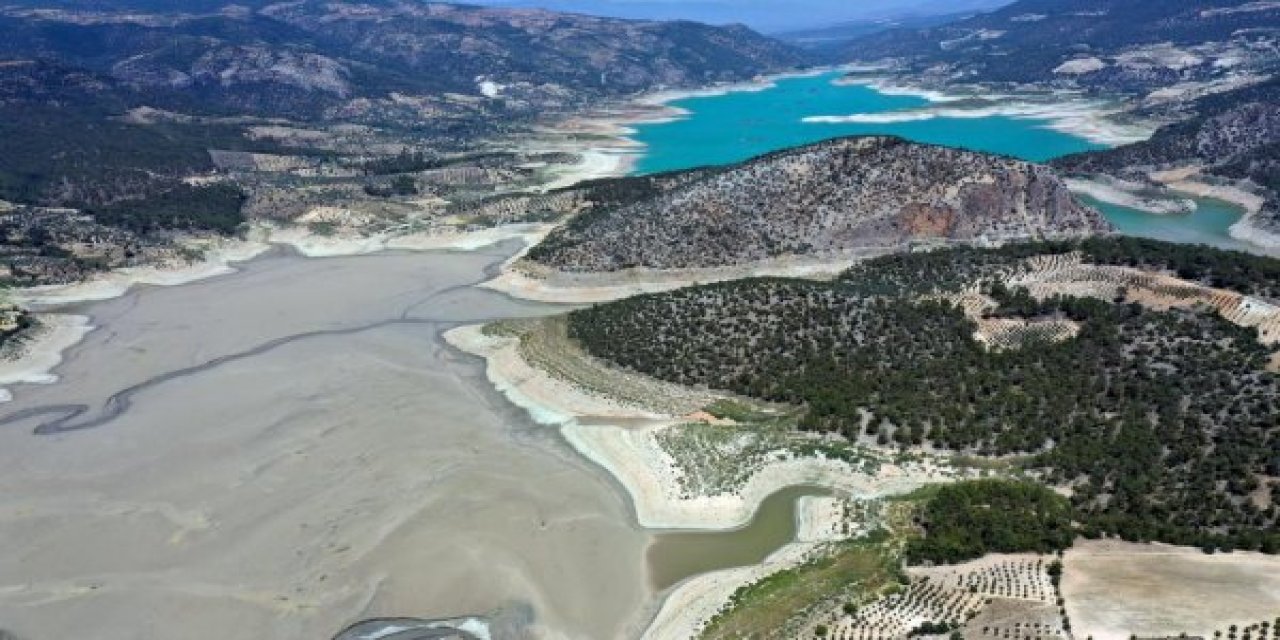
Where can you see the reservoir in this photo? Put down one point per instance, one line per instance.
(737, 125)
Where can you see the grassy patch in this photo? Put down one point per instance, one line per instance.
(852, 572)
(323, 228)
(719, 459)
(739, 411)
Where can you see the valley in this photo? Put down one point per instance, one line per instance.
(407, 319)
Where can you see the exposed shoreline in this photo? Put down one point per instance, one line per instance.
(610, 151)
(360, 468)
(40, 352)
(1186, 180)
(1128, 194)
(1243, 230)
(628, 451)
(531, 282)
(619, 436)
(1090, 119)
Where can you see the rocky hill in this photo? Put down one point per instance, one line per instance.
(1233, 136)
(1108, 45)
(828, 198)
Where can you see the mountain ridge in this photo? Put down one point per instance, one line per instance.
(1102, 45)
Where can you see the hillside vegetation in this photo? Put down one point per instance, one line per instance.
(1161, 422)
(824, 199)
(1104, 45)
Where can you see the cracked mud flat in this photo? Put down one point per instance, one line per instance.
(290, 449)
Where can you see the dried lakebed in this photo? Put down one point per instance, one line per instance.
(287, 450)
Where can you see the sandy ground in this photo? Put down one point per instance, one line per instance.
(1115, 589)
(596, 163)
(283, 451)
(534, 282)
(316, 246)
(1184, 180)
(603, 137)
(696, 601)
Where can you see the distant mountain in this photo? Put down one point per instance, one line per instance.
(73, 76)
(1126, 45)
(770, 16)
(313, 59)
(832, 40)
(824, 199)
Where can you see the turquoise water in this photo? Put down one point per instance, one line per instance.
(740, 125)
(733, 127)
(1209, 224)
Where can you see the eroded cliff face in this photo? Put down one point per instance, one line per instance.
(828, 198)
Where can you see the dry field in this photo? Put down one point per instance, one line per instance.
(1116, 589)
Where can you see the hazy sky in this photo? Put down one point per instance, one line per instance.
(766, 15)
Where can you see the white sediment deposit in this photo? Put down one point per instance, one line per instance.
(314, 245)
(694, 602)
(622, 438)
(595, 163)
(218, 260)
(1093, 120)
(629, 449)
(32, 361)
(534, 282)
(1131, 195)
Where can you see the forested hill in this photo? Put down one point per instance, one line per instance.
(1234, 135)
(1111, 45)
(1155, 414)
(824, 199)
